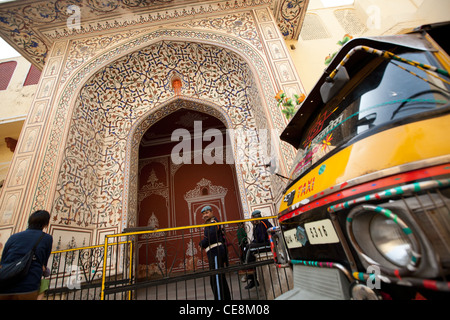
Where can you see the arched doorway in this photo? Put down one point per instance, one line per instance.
(171, 193)
(120, 101)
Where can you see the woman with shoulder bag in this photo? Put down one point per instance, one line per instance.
(20, 244)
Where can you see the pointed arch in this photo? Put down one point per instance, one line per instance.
(140, 127)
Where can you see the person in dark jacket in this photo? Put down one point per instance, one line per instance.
(260, 243)
(17, 246)
(214, 244)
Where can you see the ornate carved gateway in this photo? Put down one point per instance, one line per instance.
(109, 82)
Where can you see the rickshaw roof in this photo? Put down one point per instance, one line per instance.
(413, 40)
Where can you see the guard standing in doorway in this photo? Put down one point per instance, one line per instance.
(214, 244)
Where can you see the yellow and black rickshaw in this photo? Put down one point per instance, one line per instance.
(366, 214)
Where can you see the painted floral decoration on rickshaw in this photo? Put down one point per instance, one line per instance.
(289, 104)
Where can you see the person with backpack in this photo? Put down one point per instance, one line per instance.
(18, 245)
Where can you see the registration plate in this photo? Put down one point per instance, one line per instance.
(321, 232)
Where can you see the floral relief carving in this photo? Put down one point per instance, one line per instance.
(201, 185)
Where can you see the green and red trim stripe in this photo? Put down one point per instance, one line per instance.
(319, 200)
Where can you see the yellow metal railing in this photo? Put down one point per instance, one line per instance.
(109, 242)
(80, 250)
(136, 233)
(102, 295)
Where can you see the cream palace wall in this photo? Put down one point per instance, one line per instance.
(15, 103)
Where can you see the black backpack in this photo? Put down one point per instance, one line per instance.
(11, 273)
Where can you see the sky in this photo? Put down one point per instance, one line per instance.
(6, 51)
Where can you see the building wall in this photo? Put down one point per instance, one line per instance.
(16, 100)
(79, 151)
(324, 27)
(15, 103)
(50, 155)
